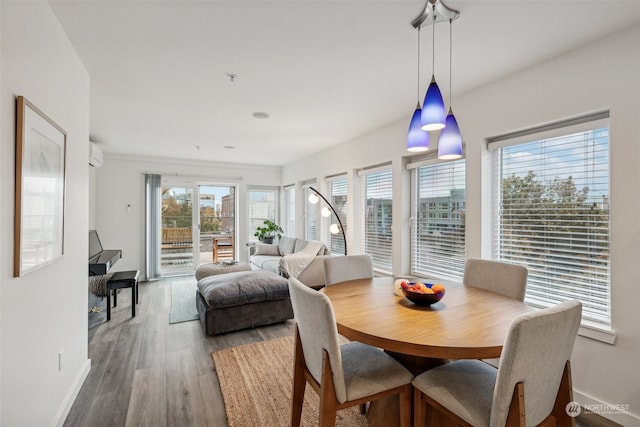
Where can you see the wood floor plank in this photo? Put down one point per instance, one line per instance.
(185, 405)
(122, 364)
(148, 403)
(212, 398)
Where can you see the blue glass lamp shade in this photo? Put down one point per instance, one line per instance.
(450, 142)
(433, 108)
(417, 139)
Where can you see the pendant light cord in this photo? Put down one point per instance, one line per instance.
(450, 57)
(418, 91)
(433, 41)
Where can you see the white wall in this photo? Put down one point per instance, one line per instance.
(120, 181)
(44, 311)
(603, 75)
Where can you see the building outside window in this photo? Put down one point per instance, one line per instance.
(377, 217)
(552, 204)
(438, 213)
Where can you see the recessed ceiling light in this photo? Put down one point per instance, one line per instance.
(229, 147)
(261, 115)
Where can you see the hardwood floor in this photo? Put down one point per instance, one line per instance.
(146, 372)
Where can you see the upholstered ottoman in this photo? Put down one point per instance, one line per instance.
(246, 299)
(212, 269)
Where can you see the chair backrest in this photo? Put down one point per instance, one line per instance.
(535, 352)
(501, 277)
(317, 328)
(349, 267)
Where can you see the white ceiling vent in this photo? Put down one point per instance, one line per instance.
(96, 157)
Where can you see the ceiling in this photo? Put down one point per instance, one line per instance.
(325, 71)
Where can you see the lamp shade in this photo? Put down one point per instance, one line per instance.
(313, 199)
(417, 139)
(334, 229)
(433, 117)
(325, 212)
(450, 142)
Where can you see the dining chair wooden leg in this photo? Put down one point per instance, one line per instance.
(405, 406)
(299, 383)
(328, 400)
(564, 396)
(516, 414)
(419, 410)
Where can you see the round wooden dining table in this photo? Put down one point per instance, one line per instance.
(467, 323)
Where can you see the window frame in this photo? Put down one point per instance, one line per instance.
(251, 229)
(593, 325)
(454, 268)
(335, 242)
(386, 251)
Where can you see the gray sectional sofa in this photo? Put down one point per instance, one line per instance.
(268, 257)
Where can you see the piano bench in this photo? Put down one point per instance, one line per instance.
(121, 280)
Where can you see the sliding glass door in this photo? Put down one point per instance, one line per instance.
(198, 226)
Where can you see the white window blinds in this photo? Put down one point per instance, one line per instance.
(262, 205)
(438, 233)
(377, 217)
(553, 216)
(338, 199)
(310, 217)
(290, 211)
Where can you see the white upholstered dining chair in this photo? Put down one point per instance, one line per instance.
(343, 375)
(496, 276)
(531, 385)
(349, 267)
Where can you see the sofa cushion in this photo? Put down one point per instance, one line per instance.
(266, 249)
(286, 245)
(263, 261)
(244, 287)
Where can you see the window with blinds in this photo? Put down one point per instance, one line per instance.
(262, 205)
(377, 217)
(338, 199)
(290, 211)
(438, 233)
(553, 215)
(310, 217)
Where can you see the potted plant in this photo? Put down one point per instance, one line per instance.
(268, 231)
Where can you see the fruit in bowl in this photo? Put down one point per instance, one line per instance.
(422, 293)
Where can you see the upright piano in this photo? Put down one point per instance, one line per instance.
(100, 260)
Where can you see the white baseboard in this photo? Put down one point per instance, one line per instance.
(614, 411)
(67, 403)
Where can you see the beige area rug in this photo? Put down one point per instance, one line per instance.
(256, 382)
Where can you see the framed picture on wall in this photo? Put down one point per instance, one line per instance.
(40, 189)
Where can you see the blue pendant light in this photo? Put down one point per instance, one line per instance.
(450, 142)
(417, 139)
(433, 106)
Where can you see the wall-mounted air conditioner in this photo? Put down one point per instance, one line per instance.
(96, 157)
